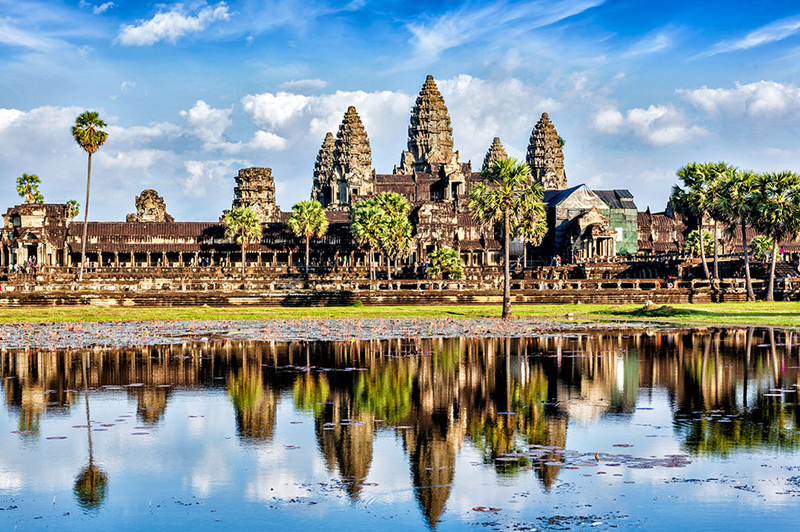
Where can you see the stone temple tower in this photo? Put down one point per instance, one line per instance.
(430, 134)
(496, 151)
(255, 188)
(352, 161)
(324, 183)
(546, 157)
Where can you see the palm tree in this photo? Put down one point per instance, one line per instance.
(777, 197)
(531, 222)
(308, 220)
(693, 243)
(504, 194)
(89, 135)
(716, 179)
(761, 245)
(242, 226)
(73, 209)
(28, 188)
(693, 200)
(445, 262)
(367, 224)
(395, 237)
(736, 206)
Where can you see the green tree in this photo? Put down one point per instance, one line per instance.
(717, 175)
(308, 220)
(504, 193)
(761, 244)
(693, 243)
(367, 221)
(73, 209)
(531, 222)
(89, 135)
(445, 262)
(242, 226)
(692, 200)
(777, 197)
(395, 238)
(28, 188)
(736, 208)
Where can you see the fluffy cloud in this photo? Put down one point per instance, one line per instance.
(199, 174)
(206, 123)
(659, 125)
(274, 109)
(171, 25)
(763, 99)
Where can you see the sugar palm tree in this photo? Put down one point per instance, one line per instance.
(504, 192)
(693, 199)
(716, 181)
(367, 221)
(736, 207)
(242, 226)
(761, 244)
(28, 188)
(530, 224)
(73, 209)
(693, 243)
(394, 238)
(89, 135)
(446, 262)
(777, 198)
(308, 220)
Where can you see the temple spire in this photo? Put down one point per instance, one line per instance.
(496, 152)
(352, 160)
(323, 172)
(430, 133)
(546, 157)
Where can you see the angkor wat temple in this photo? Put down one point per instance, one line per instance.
(584, 224)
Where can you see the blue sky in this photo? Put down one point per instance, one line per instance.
(193, 91)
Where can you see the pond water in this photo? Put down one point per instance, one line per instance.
(598, 430)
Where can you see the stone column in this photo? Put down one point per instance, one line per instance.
(116, 259)
(195, 259)
(148, 259)
(180, 259)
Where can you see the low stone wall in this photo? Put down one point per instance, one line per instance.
(309, 298)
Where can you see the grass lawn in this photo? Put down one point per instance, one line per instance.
(785, 314)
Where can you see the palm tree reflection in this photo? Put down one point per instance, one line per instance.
(91, 485)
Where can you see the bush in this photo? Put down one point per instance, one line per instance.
(445, 262)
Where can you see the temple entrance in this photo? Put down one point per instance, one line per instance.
(592, 237)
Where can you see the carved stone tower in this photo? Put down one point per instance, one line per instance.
(496, 152)
(150, 207)
(430, 134)
(546, 157)
(255, 188)
(352, 161)
(324, 183)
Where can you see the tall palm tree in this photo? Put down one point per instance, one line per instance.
(89, 135)
(28, 188)
(777, 197)
(503, 195)
(367, 222)
(716, 174)
(242, 226)
(692, 200)
(308, 220)
(736, 207)
(395, 236)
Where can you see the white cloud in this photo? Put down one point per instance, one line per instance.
(201, 173)
(757, 100)
(274, 109)
(432, 36)
(171, 25)
(12, 35)
(302, 85)
(481, 110)
(772, 32)
(102, 8)
(659, 125)
(650, 44)
(206, 123)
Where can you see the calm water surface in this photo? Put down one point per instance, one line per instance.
(596, 431)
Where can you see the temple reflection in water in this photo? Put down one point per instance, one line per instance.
(496, 395)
